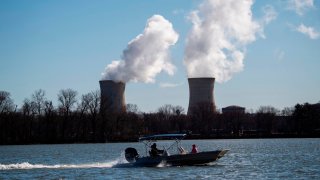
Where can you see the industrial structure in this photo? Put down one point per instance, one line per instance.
(112, 96)
(233, 109)
(201, 95)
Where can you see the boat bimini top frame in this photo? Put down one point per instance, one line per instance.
(148, 140)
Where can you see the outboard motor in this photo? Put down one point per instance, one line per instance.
(131, 154)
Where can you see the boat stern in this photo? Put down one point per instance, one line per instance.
(222, 153)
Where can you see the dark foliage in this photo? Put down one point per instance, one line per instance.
(38, 122)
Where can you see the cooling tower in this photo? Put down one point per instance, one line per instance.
(112, 96)
(201, 95)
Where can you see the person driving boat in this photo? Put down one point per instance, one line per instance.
(155, 151)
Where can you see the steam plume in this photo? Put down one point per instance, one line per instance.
(309, 31)
(146, 55)
(300, 6)
(216, 44)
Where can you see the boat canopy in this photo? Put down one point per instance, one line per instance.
(162, 137)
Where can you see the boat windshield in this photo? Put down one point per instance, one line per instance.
(148, 140)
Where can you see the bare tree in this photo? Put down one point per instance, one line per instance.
(38, 97)
(67, 98)
(265, 118)
(26, 107)
(90, 103)
(203, 115)
(268, 110)
(29, 107)
(94, 104)
(6, 103)
(83, 107)
(166, 109)
(169, 109)
(178, 110)
(287, 111)
(48, 108)
(133, 108)
(33, 106)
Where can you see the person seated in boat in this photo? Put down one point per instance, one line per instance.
(155, 151)
(194, 149)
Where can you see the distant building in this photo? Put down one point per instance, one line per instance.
(233, 109)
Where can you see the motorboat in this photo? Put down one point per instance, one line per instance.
(182, 158)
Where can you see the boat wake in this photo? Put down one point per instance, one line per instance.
(27, 165)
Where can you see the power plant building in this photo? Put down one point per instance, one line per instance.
(201, 95)
(112, 96)
(233, 109)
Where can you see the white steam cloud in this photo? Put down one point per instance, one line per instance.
(220, 32)
(146, 55)
(300, 6)
(309, 31)
(269, 14)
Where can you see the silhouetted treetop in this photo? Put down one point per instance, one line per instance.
(67, 99)
(6, 103)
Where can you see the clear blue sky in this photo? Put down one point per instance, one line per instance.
(57, 44)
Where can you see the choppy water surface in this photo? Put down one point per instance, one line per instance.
(247, 159)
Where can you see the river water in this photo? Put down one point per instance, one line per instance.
(247, 159)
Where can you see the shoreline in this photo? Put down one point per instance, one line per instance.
(192, 137)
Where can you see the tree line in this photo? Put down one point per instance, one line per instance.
(77, 119)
